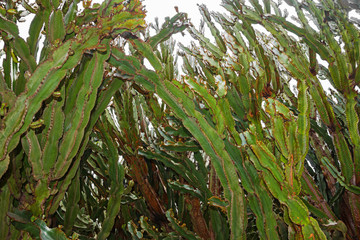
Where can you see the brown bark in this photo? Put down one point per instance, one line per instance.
(139, 171)
(197, 219)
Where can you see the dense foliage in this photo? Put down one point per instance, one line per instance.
(101, 137)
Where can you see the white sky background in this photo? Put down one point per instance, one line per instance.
(166, 8)
(160, 9)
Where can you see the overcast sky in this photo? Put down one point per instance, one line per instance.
(166, 8)
(154, 8)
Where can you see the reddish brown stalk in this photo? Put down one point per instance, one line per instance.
(197, 219)
(140, 173)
